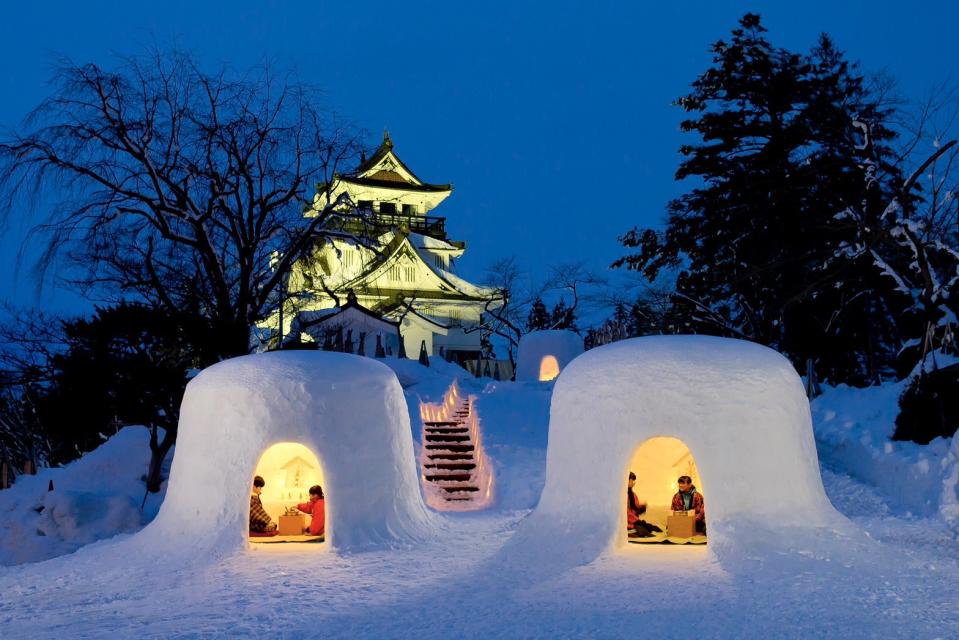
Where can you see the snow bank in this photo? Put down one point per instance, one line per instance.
(411, 372)
(739, 407)
(95, 497)
(349, 410)
(514, 418)
(536, 348)
(854, 429)
(949, 503)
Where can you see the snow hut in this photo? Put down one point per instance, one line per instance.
(738, 407)
(544, 354)
(346, 410)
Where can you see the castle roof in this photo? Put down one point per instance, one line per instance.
(384, 169)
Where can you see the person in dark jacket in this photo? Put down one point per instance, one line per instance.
(634, 509)
(688, 499)
(260, 520)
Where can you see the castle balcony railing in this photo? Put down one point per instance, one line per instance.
(365, 222)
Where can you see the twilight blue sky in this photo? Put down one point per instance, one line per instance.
(552, 119)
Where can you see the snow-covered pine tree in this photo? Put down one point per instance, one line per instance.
(776, 158)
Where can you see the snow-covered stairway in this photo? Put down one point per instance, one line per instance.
(456, 475)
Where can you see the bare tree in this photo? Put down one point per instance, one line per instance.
(177, 186)
(506, 308)
(581, 284)
(926, 126)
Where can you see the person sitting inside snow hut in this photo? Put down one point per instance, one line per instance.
(260, 521)
(316, 507)
(688, 499)
(634, 509)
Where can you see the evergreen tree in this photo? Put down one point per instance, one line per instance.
(780, 157)
(563, 317)
(128, 364)
(539, 317)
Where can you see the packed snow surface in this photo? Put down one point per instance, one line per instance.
(539, 346)
(894, 575)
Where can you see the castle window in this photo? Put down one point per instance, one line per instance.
(440, 261)
(347, 258)
(409, 274)
(365, 205)
(394, 273)
(409, 209)
(387, 207)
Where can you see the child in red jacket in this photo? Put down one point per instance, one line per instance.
(315, 507)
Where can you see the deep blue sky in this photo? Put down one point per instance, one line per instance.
(552, 120)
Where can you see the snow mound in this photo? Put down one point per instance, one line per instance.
(349, 410)
(738, 406)
(854, 429)
(411, 372)
(95, 497)
(536, 349)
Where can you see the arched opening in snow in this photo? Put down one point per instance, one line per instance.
(658, 463)
(548, 368)
(289, 470)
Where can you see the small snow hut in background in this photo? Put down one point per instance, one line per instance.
(544, 354)
(348, 410)
(739, 407)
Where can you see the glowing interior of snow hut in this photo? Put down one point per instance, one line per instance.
(289, 470)
(543, 355)
(658, 463)
(548, 368)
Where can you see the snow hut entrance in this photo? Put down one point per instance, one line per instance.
(288, 471)
(548, 368)
(658, 464)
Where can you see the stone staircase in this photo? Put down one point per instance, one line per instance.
(455, 473)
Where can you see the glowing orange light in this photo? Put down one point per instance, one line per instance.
(548, 368)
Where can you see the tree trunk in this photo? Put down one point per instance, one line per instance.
(158, 453)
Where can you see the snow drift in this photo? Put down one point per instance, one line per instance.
(349, 410)
(544, 354)
(95, 497)
(738, 406)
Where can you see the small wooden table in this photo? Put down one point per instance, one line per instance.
(292, 525)
(681, 524)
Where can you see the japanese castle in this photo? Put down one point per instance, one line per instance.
(387, 284)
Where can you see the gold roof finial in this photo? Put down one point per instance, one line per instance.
(386, 139)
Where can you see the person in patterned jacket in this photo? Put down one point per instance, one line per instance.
(688, 499)
(260, 520)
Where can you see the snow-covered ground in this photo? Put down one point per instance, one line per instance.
(895, 576)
